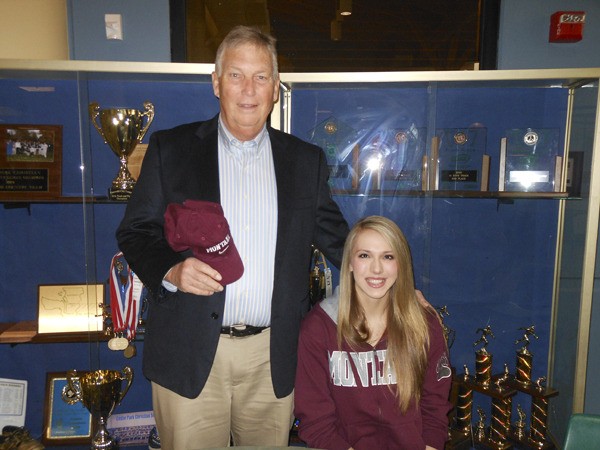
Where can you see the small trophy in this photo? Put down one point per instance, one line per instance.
(480, 435)
(483, 359)
(524, 357)
(99, 391)
(519, 426)
(449, 333)
(122, 129)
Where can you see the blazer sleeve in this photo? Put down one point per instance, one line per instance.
(140, 235)
(331, 229)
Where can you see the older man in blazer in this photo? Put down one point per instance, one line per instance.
(222, 359)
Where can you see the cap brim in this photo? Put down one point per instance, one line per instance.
(229, 265)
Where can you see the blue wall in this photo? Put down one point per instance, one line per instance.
(524, 27)
(523, 44)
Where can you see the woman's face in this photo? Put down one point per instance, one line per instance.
(373, 265)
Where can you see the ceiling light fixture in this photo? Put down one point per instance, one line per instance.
(345, 7)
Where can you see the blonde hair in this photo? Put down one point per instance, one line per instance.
(243, 35)
(407, 326)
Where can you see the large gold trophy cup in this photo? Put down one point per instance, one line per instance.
(122, 129)
(99, 391)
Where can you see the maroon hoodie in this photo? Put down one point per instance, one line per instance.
(343, 400)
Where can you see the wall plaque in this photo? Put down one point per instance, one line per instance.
(30, 162)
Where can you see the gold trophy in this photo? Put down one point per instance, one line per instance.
(122, 129)
(524, 357)
(99, 391)
(483, 359)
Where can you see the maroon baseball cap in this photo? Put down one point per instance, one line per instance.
(202, 227)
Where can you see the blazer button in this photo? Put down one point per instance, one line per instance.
(214, 316)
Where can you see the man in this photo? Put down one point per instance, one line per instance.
(222, 359)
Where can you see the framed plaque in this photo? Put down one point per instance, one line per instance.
(30, 162)
(64, 423)
(70, 308)
(338, 141)
(531, 160)
(403, 166)
(461, 158)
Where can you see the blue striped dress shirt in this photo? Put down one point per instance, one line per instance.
(249, 200)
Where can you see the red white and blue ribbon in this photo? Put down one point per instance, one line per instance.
(125, 297)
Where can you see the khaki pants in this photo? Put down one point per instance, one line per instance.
(236, 403)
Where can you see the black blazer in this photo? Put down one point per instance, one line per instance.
(182, 330)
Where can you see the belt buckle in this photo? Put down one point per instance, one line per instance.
(236, 327)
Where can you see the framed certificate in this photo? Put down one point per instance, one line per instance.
(70, 308)
(64, 423)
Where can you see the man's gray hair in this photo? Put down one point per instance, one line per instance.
(243, 35)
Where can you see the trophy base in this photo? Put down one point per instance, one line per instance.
(487, 443)
(119, 195)
(528, 443)
(459, 440)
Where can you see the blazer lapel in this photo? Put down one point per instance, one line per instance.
(206, 162)
(285, 188)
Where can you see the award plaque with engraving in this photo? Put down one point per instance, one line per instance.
(30, 162)
(337, 139)
(531, 162)
(403, 167)
(461, 152)
(391, 159)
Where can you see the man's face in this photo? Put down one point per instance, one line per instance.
(246, 90)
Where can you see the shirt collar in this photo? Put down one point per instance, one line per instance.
(241, 148)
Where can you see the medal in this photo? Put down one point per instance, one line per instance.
(130, 351)
(125, 295)
(118, 343)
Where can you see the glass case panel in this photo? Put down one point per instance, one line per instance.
(433, 151)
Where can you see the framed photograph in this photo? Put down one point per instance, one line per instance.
(70, 308)
(64, 423)
(30, 162)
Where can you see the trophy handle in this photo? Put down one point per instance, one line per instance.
(94, 110)
(149, 107)
(128, 376)
(72, 391)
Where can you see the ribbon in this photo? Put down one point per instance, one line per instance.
(125, 296)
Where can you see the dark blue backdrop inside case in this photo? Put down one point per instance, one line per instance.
(489, 261)
(72, 243)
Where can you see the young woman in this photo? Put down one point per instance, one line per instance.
(373, 369)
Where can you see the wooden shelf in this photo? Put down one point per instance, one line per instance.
(16, 202)
(453, 194)
(26, 332)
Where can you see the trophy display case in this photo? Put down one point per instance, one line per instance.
(487, 173)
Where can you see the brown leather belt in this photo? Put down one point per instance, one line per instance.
(242, 330)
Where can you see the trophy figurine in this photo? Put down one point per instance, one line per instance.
(122, 129)
(524, 357)
(519, 429)
(480, 435)
(99, 391)
(483, 359)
